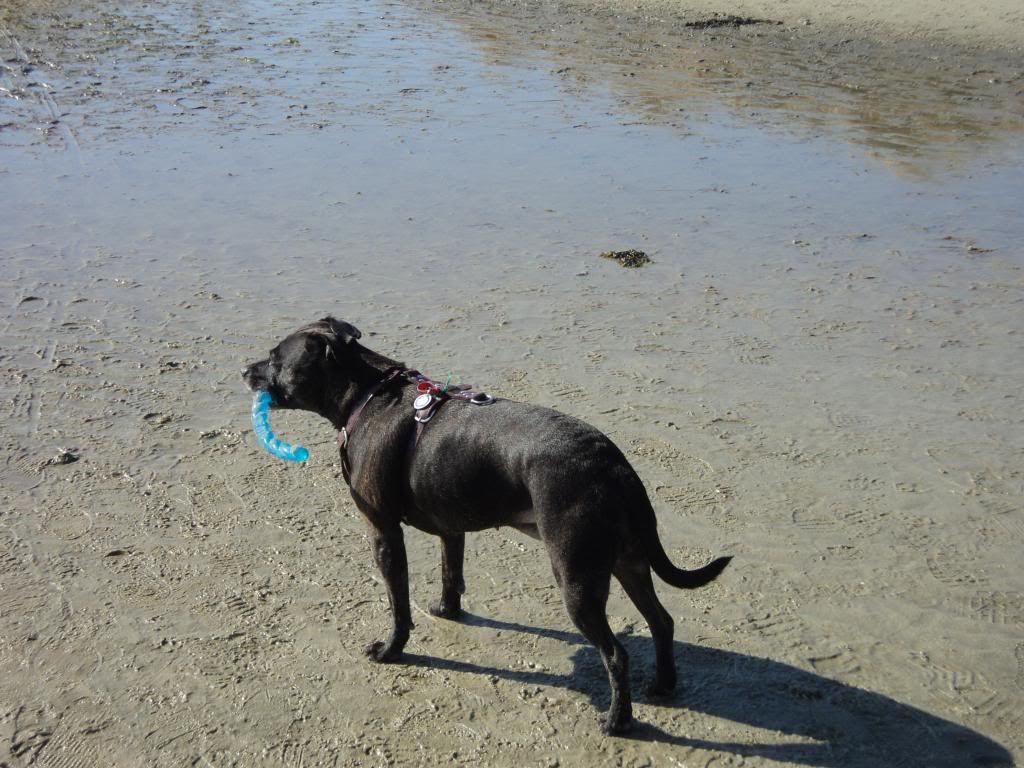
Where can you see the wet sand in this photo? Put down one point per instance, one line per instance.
(998, 24)
(819, 374)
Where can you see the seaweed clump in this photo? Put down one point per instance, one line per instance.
(727, 20)
(631, 258)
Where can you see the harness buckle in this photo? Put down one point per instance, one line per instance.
(425, 406)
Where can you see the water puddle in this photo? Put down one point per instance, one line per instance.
(459, 130)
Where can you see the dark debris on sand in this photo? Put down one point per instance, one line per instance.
(631, 258)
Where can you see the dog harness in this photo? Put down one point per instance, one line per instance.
(428, 402)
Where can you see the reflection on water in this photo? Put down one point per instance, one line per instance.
(249, 63)
(912, 108)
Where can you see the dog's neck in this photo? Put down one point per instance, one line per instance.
(362, 373)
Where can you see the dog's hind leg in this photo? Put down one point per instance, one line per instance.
(635, 578)
(585, 595)
(389, 552)
(449, 606)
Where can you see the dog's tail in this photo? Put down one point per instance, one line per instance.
(679, 577)
(684, 579)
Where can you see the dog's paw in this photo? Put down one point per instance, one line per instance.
(381, 652)
(445, 609)
(614, 726)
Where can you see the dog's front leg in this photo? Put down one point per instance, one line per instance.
(389, 552)
(452, 585)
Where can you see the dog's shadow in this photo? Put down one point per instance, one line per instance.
(836, 724)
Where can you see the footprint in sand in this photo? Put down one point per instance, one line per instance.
(954, 567)
(997, 607)
(812, 520)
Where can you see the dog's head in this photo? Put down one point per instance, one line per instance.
(302, 370)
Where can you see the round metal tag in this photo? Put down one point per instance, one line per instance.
(422, 401)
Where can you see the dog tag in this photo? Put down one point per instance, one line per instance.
(423, 401)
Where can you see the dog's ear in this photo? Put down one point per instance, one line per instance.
(344, 332)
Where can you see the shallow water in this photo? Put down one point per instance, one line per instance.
(820, 372)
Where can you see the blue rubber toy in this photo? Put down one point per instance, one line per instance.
(261, 426)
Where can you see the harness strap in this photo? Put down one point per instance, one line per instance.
(353, 418)
(432, 396)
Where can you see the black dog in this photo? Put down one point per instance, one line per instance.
(476, 466)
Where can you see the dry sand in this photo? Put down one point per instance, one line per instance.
(820, 374)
